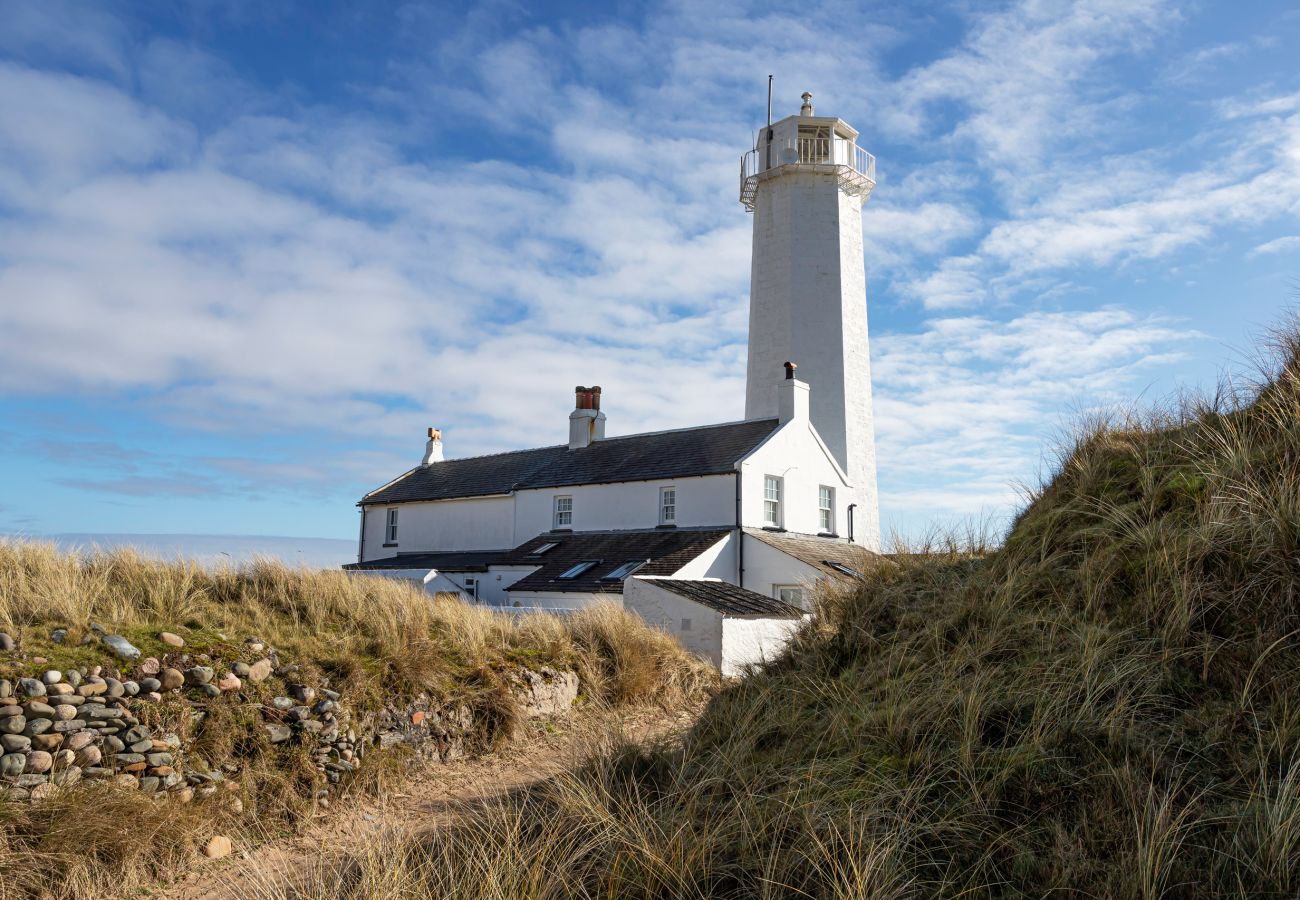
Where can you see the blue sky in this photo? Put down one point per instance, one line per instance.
(249, 252)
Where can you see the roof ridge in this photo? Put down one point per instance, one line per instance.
(623, 437)
(617, 437)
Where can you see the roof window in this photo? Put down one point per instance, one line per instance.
(581, 567)
(840, 567)
(545, 548)
(624, 570)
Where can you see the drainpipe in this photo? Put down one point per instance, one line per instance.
(361, 539)
(740, 538)
(852, 506)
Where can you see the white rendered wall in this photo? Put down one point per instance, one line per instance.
(793, 454)
(480, 523)
(666, 610)
(807, 304)
(749, 641)
(767, 567)
(559, 601)
(709, 500)
(718, 561)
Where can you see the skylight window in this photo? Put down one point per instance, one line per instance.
(840, 567)
(581, 567)
(624, 570)
(545, 548)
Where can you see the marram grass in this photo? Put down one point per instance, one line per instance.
(374, 639)
(1106, 705)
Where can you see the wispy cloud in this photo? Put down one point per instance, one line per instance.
(515, 205)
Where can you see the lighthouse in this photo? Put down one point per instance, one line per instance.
(805, 181)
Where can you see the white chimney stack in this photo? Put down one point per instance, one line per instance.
(586, 422)
(433, 449)
(792, 397)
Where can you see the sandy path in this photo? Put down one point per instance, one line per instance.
(431, 797)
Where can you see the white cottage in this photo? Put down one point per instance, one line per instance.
(770, 504)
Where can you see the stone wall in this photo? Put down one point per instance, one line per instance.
(62, 728)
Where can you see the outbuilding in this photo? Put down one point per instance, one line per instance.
(730, 626)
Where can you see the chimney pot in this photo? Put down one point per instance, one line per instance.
(807, 108)
(586, 422)
(789, 370)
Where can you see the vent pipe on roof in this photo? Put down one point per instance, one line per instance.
(586, 422)
(433, 449)
(807, 108)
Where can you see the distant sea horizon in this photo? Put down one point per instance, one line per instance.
(210, 550)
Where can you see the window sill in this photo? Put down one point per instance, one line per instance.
(773, 528)
(666, 525)
(394, 544)
(827, 534)
(561, 531)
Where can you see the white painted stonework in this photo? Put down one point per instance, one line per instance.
(808, 304)
(730, 642)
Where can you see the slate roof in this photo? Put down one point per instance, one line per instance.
(818, 552)
(728, 599)
(448, 561)
(685, 453)
(666, 549)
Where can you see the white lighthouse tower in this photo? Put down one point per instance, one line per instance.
(806, 182)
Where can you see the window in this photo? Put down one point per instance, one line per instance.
(840, 567)
(471, 587)
(545, 548)
(790, 594)
(563, 512)
(686, 624)
(390, 532)
(826, 508)
(624, 570)
(581, 567)
(667, 506)
(772, 501)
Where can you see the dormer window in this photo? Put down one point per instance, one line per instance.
(577, 570)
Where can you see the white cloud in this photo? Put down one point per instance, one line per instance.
(1287, 244)
(967, 402)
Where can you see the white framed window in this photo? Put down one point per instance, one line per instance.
(563, 512)
(789, 593)
(826, 508)
(390, 528)
(471, 587)
(772, 501)
(624, 570)
(667, 505)
(686, 624)
(578, 569)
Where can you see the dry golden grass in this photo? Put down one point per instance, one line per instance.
(1107, 705)
(374, 639)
